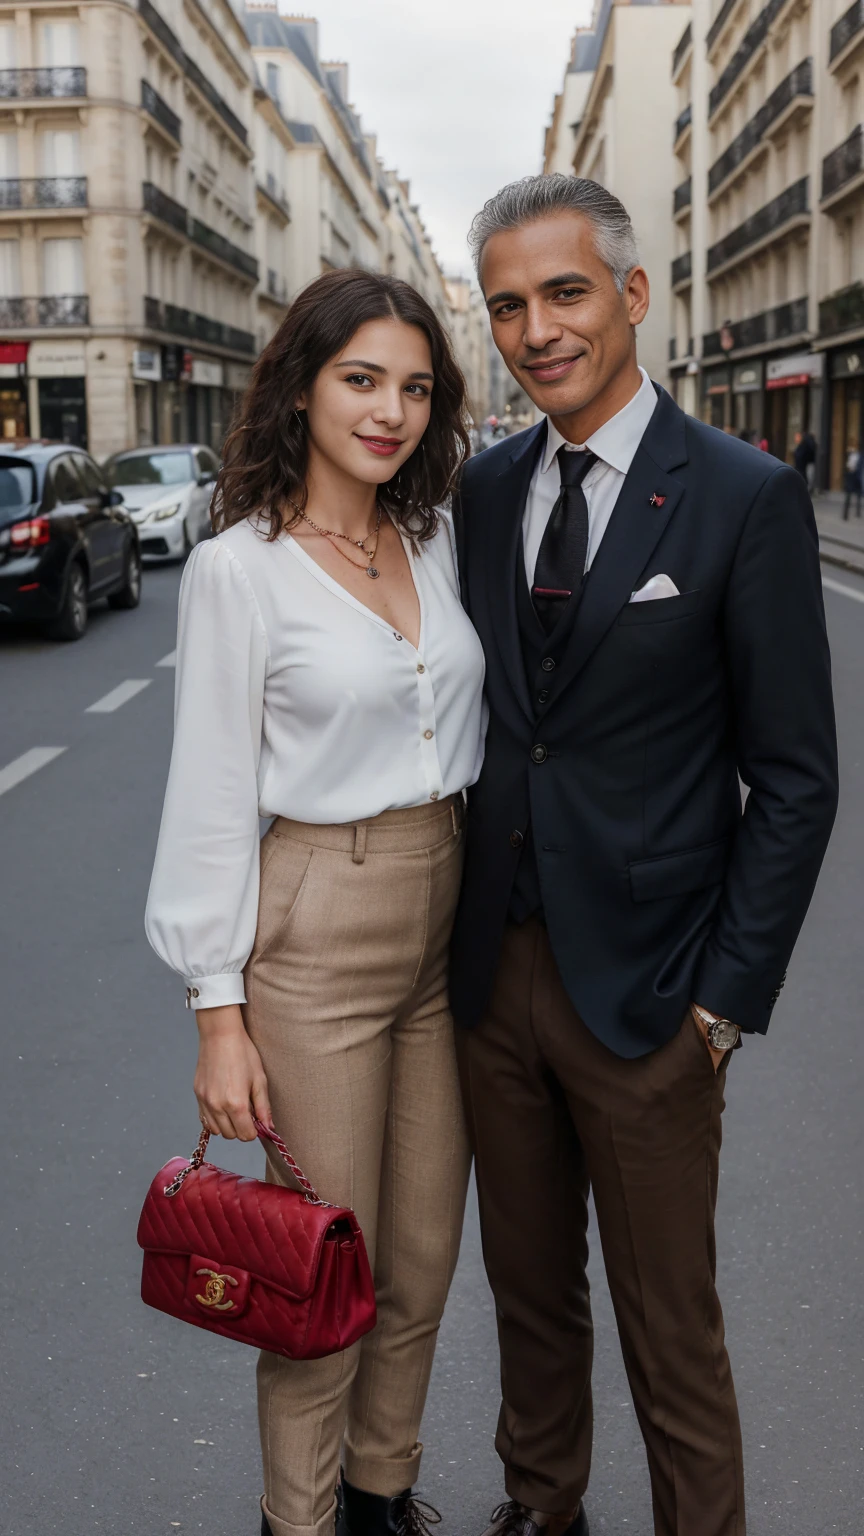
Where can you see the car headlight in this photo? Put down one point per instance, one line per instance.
(163, 512)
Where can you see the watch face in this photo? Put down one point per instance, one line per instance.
(723, 1035)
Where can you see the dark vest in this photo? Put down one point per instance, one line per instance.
(541, 653)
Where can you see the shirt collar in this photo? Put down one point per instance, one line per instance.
(618, 438)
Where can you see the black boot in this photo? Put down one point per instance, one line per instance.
(373, 1514)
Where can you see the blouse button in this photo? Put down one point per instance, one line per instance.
(428, 735)
(434, 794)
(420, 667)
(396, 636)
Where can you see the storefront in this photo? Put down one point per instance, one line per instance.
(13, 389)
(146, 373)
(717, 396)
(59, 393)
(205, 402)
(793, 388)
(846, 369)
(748, 414)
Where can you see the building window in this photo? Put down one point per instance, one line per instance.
(8, 156)
(58, 44)
(60, 152)
(273, 81)
(10, 269)
(8, 45)
(62, 267)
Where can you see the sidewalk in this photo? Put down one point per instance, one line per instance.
(839, 543)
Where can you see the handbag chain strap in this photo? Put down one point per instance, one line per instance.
(264, 1134)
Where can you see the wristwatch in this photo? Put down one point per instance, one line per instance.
(723, 1035)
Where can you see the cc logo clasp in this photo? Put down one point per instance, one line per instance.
(214, 1290)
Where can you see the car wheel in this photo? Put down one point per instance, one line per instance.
(71, 621)
(129, 595)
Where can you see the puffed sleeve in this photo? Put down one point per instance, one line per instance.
(203, 902)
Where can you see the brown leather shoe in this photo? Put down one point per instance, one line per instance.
(512, 1519)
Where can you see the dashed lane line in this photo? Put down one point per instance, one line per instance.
(29, 762)
(168, 661)
(119, 695)
(840, 586)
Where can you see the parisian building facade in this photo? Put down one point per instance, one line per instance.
(172, 172)
(764, 213)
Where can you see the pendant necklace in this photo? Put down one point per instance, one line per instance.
(371, 569)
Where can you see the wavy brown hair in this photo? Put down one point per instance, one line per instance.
(266, 453)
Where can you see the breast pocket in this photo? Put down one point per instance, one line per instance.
(661, 610)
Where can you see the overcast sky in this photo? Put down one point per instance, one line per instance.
(459, 93)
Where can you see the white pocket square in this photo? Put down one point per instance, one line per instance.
(658, 586)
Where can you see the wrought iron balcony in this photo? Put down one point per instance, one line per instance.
(169, 40)
(159, 110)
(682, 268)
(683, 120)
(685, 41)
(189, 326)
(843, 31)
(682, 197)
(217, 244)
(792, 203)
(42, 84)
(798, 83)
(44, 192)
(719, 22)
(161, 206)
(759, 330)
(55, 310)
(751, 42)
(164, 207)
(198, 78)
(842, 311)
(844, 163)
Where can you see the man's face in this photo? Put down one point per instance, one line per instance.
(559, 322)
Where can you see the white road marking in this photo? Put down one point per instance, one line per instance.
(840, 586)
(119, 695)
(168, 661)
(29, 762)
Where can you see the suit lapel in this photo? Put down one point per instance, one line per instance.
(507, 498)
(634, 530)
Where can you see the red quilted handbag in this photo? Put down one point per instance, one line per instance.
(260, 1263)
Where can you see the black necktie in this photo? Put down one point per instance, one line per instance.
(564, 546)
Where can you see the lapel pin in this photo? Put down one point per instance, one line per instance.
(656, 500)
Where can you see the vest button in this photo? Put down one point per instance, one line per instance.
(548, 664)
(539, 753)
(543, 696)
(516, 839)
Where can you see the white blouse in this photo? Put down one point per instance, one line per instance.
(294, 699)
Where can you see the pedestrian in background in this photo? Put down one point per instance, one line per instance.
(648, 594)
(852, 480)
(804, 457)
(327, 676)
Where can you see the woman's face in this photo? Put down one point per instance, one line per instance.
(369, 406)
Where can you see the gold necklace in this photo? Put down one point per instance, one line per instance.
(329, 533)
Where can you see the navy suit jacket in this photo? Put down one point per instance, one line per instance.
(657, 889)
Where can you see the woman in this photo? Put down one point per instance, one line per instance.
(852, 480)
(328, 677)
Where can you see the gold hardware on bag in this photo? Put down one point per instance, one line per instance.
(214, 1290)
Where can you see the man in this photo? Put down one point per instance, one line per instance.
(648, 594)
(804, 456)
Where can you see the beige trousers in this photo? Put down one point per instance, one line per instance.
(347, 1004)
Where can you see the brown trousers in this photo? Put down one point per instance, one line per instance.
(553, 1112)
(347, 1003)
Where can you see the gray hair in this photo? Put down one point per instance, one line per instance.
(538, 197)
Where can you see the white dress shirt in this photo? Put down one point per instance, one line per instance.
(615, 445)
(294, 699)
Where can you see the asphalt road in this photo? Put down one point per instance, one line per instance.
(116, 1420)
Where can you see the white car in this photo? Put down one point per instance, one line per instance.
(167, 492)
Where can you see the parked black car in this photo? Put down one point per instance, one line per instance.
(65, 540)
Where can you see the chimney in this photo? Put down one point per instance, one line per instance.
(309, 26)
(337, 73)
